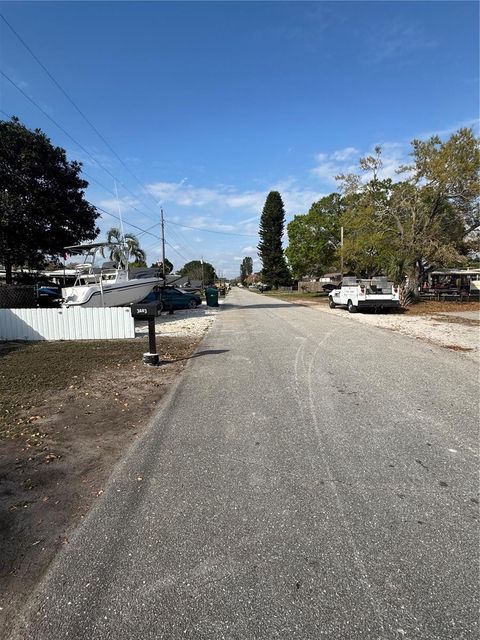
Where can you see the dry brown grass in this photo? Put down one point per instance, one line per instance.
(429, 307)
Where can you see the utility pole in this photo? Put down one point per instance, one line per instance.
(203, 275)
(163, 245)
(341, 251)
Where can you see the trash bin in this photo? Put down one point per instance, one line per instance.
(211, 294)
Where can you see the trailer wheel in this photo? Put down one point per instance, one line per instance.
(331, 303)
(351, 307)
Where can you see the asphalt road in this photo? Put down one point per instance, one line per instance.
(310, 477)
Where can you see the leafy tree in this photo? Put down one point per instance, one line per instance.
(367, 234)
(246, 269)
(168, 265)
(42, 202)
(137, 263)
(128, 244)
(428, 219)
(275, 271)
(313, 238)
(195, 270)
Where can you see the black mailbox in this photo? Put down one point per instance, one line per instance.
(146, 311)
(149, 312)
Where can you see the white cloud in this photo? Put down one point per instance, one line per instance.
(331, 164)
(187, 195)
(345, 161)
(398, 42)
(326, 170)
(126, 204)
(227, 198)
(249, 249)
(448, 131)
(344, 154)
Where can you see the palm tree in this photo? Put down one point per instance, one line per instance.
(128, 247)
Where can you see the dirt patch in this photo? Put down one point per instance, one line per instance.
(456, 347)
(69, 412)
(468, 322)
(429, 307)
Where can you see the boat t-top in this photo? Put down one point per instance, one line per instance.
(107, 285)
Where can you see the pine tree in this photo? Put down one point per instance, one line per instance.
(246, 269)
(275, 271)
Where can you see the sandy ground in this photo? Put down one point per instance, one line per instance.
(457, 330)
(185, 323)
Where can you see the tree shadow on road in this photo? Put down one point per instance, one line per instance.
(198, 354)
(228, 306)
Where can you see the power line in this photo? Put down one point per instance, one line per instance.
(130, 224)
(30, 99)
(142, 213)
(73, 103)
(177, 251)
(183, 243)
(90, 177)
(223, 233)
(176, 233)
(185, 226)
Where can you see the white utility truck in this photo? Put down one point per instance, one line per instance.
(355, 294)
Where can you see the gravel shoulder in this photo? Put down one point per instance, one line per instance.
(450, 331)
(187, 322)
(456, 330)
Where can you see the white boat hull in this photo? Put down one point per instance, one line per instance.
(111, 294)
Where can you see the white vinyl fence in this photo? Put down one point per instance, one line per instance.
(73, 323)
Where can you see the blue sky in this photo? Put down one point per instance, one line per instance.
(213, 104)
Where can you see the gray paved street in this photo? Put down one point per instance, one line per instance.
(310, 477)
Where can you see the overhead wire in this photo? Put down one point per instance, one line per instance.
(107, 189)
(183, 244)
(223, 233)
(179, 234)
(76, 107)
(95, 160)
(47, 115)
(177, 251)
(227, 233)
(140, 229)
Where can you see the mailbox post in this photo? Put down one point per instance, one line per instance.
(148, 312)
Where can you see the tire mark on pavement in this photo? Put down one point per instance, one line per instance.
(374, 599)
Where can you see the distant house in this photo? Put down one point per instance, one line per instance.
(324, 282)
(331, 278)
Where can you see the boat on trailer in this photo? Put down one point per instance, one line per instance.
(108, 285)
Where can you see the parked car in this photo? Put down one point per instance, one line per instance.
(49, 295)
(171, 298)
(330, 286)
